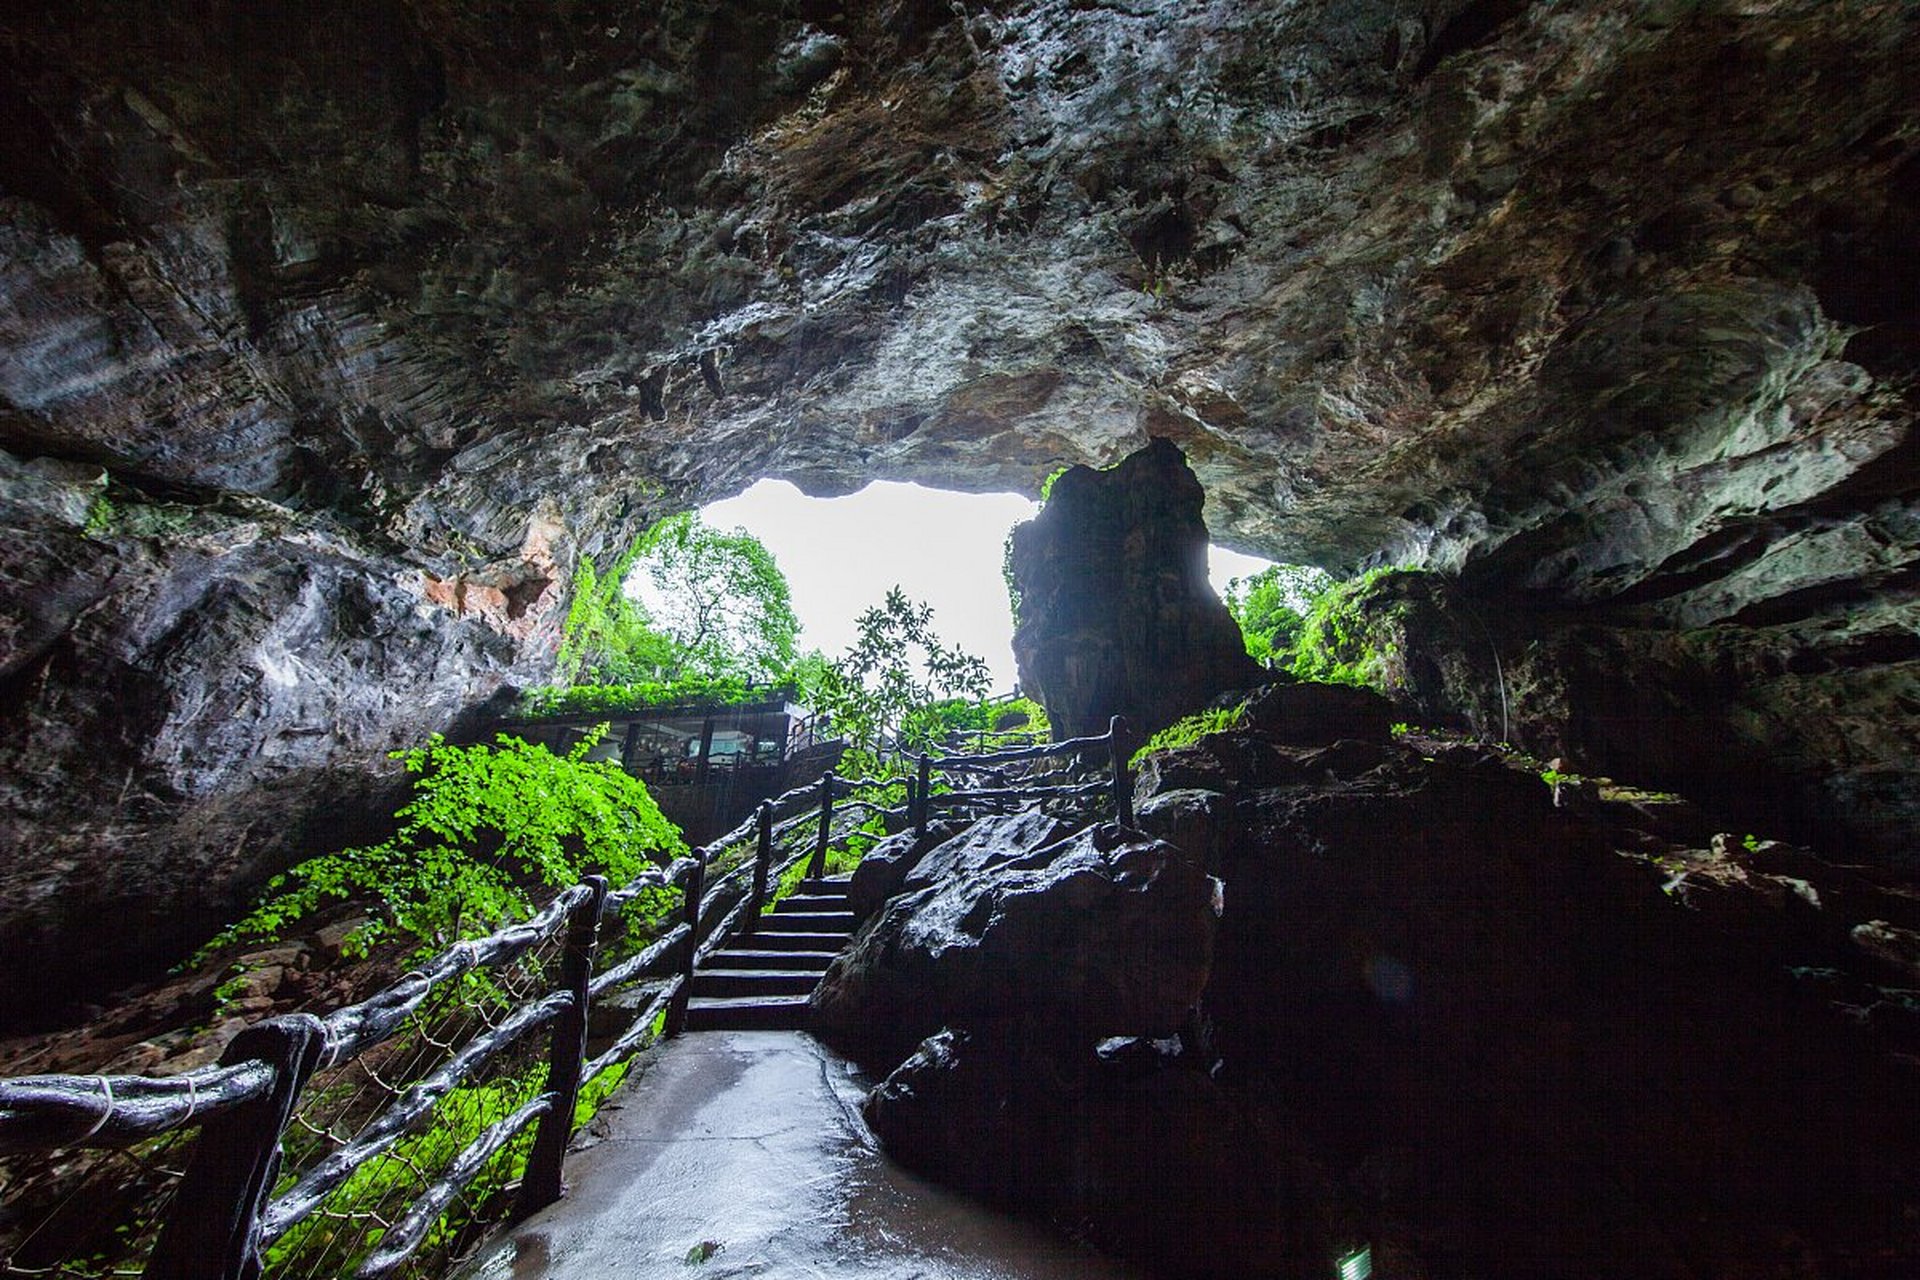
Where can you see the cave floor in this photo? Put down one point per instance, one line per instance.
(753, 1141)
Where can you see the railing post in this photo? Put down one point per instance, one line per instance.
(1119, 739)
(762, 864)
(818, 866)
(696, 886)
(213, 1227)
(926, 799)
(542, 1184)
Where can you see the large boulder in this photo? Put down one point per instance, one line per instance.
(1106, 933)
(1116, 614)
(906, 861)
(1134, 1143)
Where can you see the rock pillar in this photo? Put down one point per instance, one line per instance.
(1116, 614)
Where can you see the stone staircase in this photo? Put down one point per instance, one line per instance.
(761, 980)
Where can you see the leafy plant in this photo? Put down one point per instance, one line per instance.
(887, 688)
(604, 631)
(724, 691)
(485, 827)
(1271, 605)
(1190, 729)
(100, 515)
(1334, 646)
(718, 598)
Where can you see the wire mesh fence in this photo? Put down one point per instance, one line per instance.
(91, 1213)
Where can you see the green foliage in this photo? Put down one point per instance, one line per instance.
(387, 1183)
(1400, 729)
(100, 515)
(485, 827)
(719, 620)
(1190, 729)
(1006, 576)
(727, 691)
(1271, 605)
(1046, 486)
(1333, 646)
(719, 598)
(605, 634)
(884, 691)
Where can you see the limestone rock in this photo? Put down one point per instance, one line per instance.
(505, 282)
(1106, 933)
(1305, 713)
(1116, 614)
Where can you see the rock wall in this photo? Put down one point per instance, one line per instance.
(1606, 303)
(1797, 730)
(1116, 616)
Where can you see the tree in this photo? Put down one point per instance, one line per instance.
(888, 686)
(606, 639)
(686, 605)
(1271, 606)
(717, 597)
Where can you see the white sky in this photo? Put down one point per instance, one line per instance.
(841, 554)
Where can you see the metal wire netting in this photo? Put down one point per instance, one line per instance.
(341, 1102)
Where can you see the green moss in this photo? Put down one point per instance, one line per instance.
(724, 691)
(1046, 486)
(1340, 642)
(1190, 729)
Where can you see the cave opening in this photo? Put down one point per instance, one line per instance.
(943, 546)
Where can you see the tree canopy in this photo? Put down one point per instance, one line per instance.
(889, 685)
(687, 604)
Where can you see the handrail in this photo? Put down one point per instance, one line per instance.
(223, 1217)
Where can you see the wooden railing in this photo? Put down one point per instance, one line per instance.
(225, 1215)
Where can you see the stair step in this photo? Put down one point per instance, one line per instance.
(765, 939)
(747, 957)
(840, 922)
(833, 902)
(764, 1013)
(755, 982)
(831, 884)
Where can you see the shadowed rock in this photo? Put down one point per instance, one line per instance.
(1116, 614)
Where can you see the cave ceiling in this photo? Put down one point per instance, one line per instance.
(1407, 279)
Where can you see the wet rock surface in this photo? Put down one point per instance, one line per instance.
(1549, 1036)
(1102, 933)
(1607, 305)
(1116, 616)
(1147, 1154)
(744, 1150)
(207, 692)
(1796, 726)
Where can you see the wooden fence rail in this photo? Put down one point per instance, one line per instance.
(223, 1216)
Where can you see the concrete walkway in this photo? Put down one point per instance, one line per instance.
(752, 1141)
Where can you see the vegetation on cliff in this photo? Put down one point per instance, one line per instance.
(486, 830)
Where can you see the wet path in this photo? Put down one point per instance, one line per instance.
(753, 1141)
